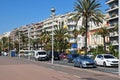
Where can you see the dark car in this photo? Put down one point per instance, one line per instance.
(71, 56)
(84, 61)
(56, 55)
(63, 56)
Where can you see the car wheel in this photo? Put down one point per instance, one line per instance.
(74, 65)
(35, 59)
(104, 64)
(96, 63)
(69, 61)
(81, 66)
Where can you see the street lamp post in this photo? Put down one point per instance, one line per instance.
(19, 42)
(119, 40)
(29, 42)
(53, 14)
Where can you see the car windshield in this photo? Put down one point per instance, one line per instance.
(85, 57)
(41, 53)
(108, 56)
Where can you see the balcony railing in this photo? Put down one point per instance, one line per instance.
(112, 8)
(115, 42)
(71, 23)
(113, 34)
(113, 16)
(109, 1)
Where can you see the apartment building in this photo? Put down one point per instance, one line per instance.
(113, 20)
(34, 30)
(6, 34)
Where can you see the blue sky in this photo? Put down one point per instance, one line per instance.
(16, 13)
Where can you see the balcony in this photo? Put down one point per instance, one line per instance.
(115, 42)
(112, 8)
(71, 23)
(112, 26)
(72, 40)
(113, 34)
(70, 29)
(109, 1)
(113, 16)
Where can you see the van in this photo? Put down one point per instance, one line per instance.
(40, 55)
(56, 55)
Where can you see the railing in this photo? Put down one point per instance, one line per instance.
(114, 7)
(115, 42)
(113, 34)
(109, 0)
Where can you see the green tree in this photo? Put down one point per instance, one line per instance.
(112, 49)
(75, 33)
(61, 36)
(88, 10)
(82, 31)
(104, 33)
(0, 45)
(35, 43)
(24, 40)
(5, 43)
(45, 38)
(16, 45)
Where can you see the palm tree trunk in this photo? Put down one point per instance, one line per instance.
(104, 44)
(86, 28)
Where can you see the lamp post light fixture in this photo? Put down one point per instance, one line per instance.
(53, 14)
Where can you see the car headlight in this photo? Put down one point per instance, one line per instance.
(108, 61)
(85, 62)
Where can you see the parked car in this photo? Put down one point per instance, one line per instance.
(5, 53)
(84, 61)
(63, 56)
(71, 56)
(55, 53)
(40, 55)
(106, 60)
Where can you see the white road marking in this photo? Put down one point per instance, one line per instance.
(62, 72)
(76, 76)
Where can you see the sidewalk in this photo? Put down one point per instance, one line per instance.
(14, 70)
(31, 72)
(21, 69)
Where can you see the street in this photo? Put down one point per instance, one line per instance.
(111, 70)
(22, 69)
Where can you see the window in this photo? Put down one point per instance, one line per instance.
(99, 56)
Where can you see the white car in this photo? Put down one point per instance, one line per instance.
(40, 55)
(106, 60)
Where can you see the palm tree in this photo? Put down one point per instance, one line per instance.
(24, 39)
(10, 45)
(5, 43)
(44, 38)
(116, 28)
(35, 43)
(16, 45)
(0, 45)
(82, 31)
(75, 33)
(88, 10)
(103, 31)
(61, 36)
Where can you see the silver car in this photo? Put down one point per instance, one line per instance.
(84, 61)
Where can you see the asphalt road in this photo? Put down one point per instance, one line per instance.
(111, 70)
(24, 69)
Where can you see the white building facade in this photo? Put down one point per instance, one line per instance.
(65, 20)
